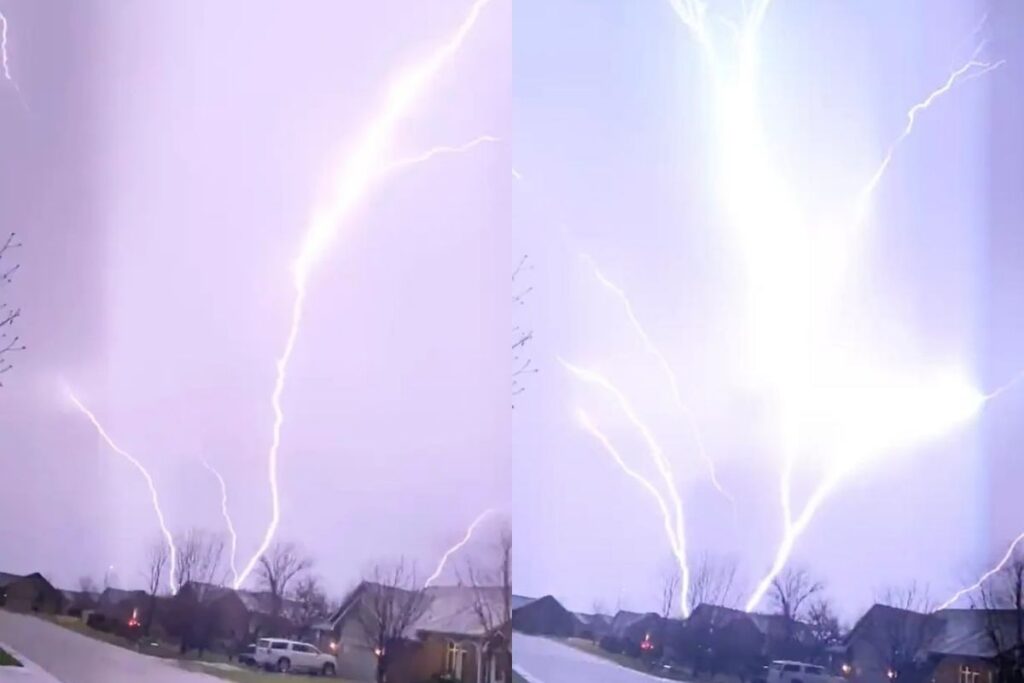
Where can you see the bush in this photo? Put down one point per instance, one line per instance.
(611, 644)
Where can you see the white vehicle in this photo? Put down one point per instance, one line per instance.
(290, 655)
(798, 672)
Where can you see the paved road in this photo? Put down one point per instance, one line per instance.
(540, 660)
(74, 658)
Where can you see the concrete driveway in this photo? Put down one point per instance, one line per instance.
(540, 660)
(74, 658)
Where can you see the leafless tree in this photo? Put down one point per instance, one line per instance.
(156, 568)
(791, 590)
(712, 582)
(671, 578)
(393, 602)
(912, 596)
(200, 559)
(87, 584)
(522, 364)
(9, 342)
(492, 603)
(1002, 598)
(824, 625)
(313, 604)
(277, 567)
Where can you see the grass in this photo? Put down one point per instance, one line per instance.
(240, 675)
(7, 659)
(620, 659)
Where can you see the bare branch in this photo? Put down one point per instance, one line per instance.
(277, 567)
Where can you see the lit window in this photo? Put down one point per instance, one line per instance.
(969, 675)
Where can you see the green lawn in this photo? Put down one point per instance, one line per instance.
(243, 675)
(516, 678)
(620, 659)
(8, 659)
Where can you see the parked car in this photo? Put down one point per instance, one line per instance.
(798, 672)
(247, 655)
(284, 656)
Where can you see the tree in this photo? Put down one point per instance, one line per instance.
(712, 582)
(1002, 598)
(898, 633)
(671, 578)
(911, 596)
(200, 558)
(824, 626)
(492, 604)
(791, 590)
(8, 314)
(314, 607)
(522, 364)
(87, 584)
(393, 602)
(277, 567)
(156, 568)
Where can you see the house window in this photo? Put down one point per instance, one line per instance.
(969, 675)
(453, 658)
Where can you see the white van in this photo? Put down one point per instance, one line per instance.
(783, 671)
(290, 655)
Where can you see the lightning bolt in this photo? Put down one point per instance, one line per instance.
(364, 166)
(5, 65)
(763, 210)
(227, 517)
(172, 549)
(969, 70)
(674, 521)
(458, 546)
(439, 150)
(670, 374)
(984, 577)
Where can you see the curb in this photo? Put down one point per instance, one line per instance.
(28, 672)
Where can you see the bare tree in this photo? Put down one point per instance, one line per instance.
(522, 364)
(791, 590)
(156, 567)
(394, 600)
(200, 559)
(912, 596)
(712, 582)
(1002, 598)
(492, 604)
(277, 567)
(671, 578)
(824, 626)
(9, 342)
(87, 584)
(313, 604)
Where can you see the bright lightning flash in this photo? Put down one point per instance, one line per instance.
(457, 547)
(168, 537)
(674, 525)
(366, 164)
(670, 374)
(984, 577)
(227, 517)
(776, 245)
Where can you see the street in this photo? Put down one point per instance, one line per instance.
(74, 658)
(540, 660)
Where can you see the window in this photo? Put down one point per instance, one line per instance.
(278, 645)
(451, 656)
(299, 647)
(263, 643)
(969, 675)
(792, 667)
(816, 670)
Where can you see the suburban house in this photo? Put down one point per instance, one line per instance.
(544, 617)
(117, 604)
(947, 646)
(592, 626)
(77, 602)
(454, 631)
(29, 593)
(221, 613)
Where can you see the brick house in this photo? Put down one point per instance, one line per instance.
(447, 637)
(29, 593)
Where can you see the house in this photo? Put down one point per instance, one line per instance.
(947, 646)
(121, 605)
(447, 634)
(203, 613)
(544, 617)
(592, 626)
(76, 602)
(29, 593)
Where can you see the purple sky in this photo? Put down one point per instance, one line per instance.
(613, 141)
(161, 178)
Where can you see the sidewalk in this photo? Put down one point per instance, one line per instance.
(28, 672)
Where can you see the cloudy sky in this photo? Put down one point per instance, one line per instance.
(160, 166)
(614, 137)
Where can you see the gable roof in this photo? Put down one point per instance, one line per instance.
(521, 601)
(6, 579)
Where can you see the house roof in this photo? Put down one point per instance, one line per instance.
(257, 602)
(446, 609)
(521, 601)
(974, 632)
(7, 579)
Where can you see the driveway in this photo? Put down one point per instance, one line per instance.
(540, 660)
(74, 658)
